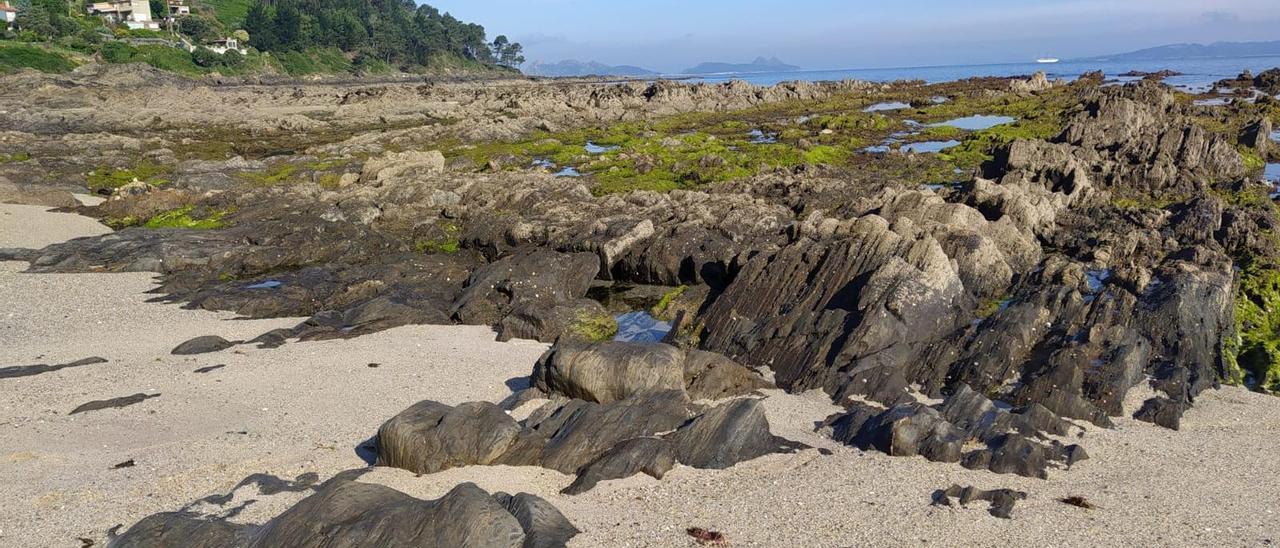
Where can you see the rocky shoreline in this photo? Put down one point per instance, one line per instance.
(1107, 254)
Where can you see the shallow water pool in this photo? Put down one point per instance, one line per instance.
(639, 326)
(977, 123)
(930, 147)
(887, 106)
(593, 148)
(1215, 102)
(762, 138)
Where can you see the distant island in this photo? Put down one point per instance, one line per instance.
(580, 68)
(759, 65)
(1195, 51)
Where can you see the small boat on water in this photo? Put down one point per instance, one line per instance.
(1047, 60)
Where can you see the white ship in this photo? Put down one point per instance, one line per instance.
(1047, 60)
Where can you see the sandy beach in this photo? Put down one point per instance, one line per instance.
(304, 407)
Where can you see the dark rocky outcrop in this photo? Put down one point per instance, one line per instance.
(531, 295)
(653, 456)
(344, 512)
(612, 371)
(646, 432)
(1066, 272)
(946, 433)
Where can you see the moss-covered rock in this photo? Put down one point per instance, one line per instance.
(590, 326)
(189, 218)
(1255, 350)
(105, 179)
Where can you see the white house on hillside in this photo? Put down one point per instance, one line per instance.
(8, 14)
(178, 8)
(226, 44)
(135, 14)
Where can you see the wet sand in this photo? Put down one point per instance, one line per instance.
(305, 406)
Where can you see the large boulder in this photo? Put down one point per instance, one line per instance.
(645, 433)
(349, 513)
(610, 371)
(430, 437)
(532, 294)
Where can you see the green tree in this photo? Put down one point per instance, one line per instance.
(232, 58)
(288, 28)
(117, 52)
(206, 57)
(159, 9)
(47, 19)
(397, 32)
(506, 52)
(260, 24)
(199, 29)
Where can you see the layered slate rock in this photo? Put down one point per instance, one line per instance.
(615, 370)
(945, 433)
(431, 436)
(892, 300)
(610, 371)
(531, 295)
(648, 432)
(344, 512)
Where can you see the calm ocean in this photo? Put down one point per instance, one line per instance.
(1198, 74)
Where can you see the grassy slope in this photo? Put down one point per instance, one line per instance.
(17, 56)
(230, 13)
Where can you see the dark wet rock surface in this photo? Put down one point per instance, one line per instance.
(17, 371)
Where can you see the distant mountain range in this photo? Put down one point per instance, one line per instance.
(581, 68)
(1195, 51)
(759, 65)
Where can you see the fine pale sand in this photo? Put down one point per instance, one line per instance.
(305, 406)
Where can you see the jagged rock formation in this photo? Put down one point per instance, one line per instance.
(942, 434)
(346, 512)
(616, 409)
(1070, 271)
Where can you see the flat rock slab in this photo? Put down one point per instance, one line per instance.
(202, 345)
(113, 403)
(29, 370)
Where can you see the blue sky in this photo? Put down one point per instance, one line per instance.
(670, 35)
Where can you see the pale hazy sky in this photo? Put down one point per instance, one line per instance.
(670, 35)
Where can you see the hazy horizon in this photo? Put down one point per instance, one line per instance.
(670, 35)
